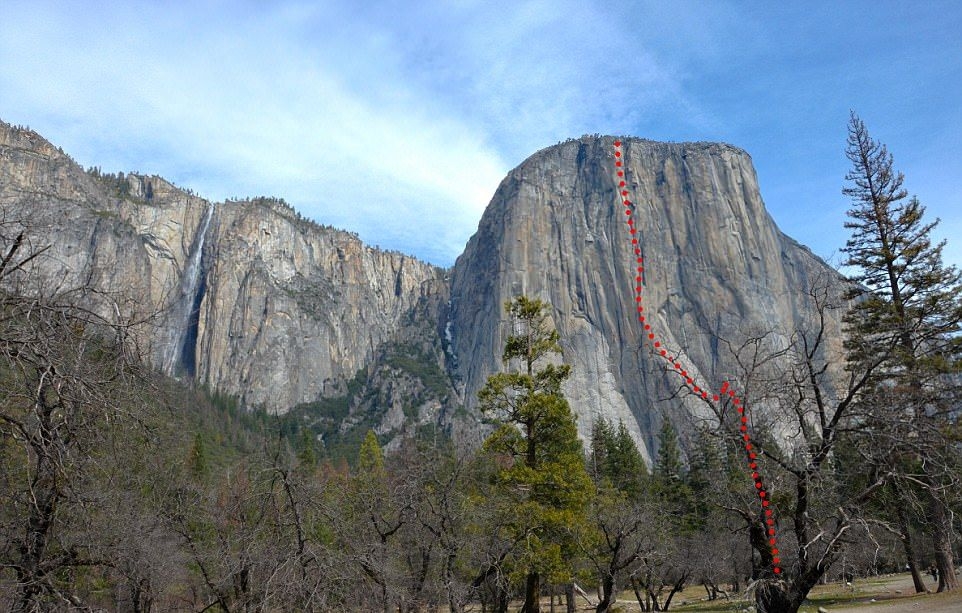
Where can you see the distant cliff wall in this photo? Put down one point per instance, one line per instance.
(246, 297)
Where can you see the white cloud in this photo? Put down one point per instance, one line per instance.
(398, 120)
(394, 122)
(249, 108)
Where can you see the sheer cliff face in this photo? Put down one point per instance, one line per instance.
(243, 295)
(290, 313)
(716, 266)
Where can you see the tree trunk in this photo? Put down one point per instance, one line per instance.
(454, 603)
(503, 599)
(713, 590)
(905, 535)
(780, 596)
(917, 580)
(942, 537)
(642, 602)
(570, 606)
(141, 600)
(34, 545)
(388, 607)
(608, 594)
(532, 594)
(777, 597)
(677, 587)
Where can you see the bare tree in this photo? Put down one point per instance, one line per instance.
(629, 533)
(67, 367)
(803, 410)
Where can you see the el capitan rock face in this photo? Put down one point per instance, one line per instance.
(715, 266)
(279, 311)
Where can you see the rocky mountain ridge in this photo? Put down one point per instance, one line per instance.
(253, 301)
(243, 296)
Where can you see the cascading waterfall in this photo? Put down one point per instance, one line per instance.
(183, 309)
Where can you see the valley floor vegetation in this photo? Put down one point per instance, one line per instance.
(123, 490)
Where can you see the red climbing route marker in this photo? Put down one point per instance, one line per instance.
(658, 348)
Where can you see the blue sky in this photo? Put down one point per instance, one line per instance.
(397, 120)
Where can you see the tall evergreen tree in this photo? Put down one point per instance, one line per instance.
(706, 473)
(629, 472)
(370, 460)
(669, 468)
(306, 454)
(910, 316)
(197, 457)
(602, 441)
(671, 480)
(615, 460)
(542, 470)
(371, 521)
(624, 517)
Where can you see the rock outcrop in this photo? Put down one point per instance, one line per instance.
(291, 311)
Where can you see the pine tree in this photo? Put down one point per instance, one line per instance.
(671, 479)
(370, 519)
(602, 441)
(615, 460)
(911, 310)
(621, 511)
(541, 461)
(370, 458)
(197, 457)
(306, 454)
(668, 468)
(907, 320)
(706, 473)
(628, 469)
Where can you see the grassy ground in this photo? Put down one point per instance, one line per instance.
(886, 594)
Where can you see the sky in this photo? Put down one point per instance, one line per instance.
(398, 120)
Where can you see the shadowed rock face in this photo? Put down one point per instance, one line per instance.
(715, 266)
(292, 311)
(280, 311)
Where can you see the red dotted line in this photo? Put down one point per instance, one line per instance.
(688, 379)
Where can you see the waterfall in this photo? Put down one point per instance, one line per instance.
(187, 302)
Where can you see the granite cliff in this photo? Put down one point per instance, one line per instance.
(250, 299)
(716, 266)
(243, 296)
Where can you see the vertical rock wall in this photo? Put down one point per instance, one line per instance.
(716, 265)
